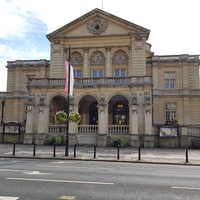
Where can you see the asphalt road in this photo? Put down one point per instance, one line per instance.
(37, 179)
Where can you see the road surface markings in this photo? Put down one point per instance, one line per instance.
(8, 198)
(68, 197)
(73, 167)
(11, 170)
(61, 181)
(23, 171)
(186, 188)
(34, 173)
(178, 172)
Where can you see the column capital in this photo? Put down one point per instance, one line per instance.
(86, 49)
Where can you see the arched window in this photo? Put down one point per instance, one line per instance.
(120, 114)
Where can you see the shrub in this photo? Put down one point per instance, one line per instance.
(123, 142)
(51, 140)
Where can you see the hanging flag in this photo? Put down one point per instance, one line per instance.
(71, 80)
(69, 83)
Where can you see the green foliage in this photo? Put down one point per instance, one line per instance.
(123, 142)
(57, 140)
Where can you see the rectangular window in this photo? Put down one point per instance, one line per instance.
(171, 112)
(97, 73)
(170, 80)
(120, 73)
(77, 73)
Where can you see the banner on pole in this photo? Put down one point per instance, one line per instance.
(69, 83)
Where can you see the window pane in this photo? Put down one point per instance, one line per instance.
(171, 113)
(123, 72)
(94, 73)
(116, 72)
(172, 84)
(77, 73)
(166, 84)
(100, 73)
(169, 80)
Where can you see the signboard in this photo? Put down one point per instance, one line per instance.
(168, 132)
(12, 128)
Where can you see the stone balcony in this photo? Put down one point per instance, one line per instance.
(91, 82)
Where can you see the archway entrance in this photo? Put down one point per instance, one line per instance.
(58, 103)
(88, 128)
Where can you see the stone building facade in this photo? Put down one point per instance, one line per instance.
(121, 89)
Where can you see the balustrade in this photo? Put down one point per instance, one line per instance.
(87, 129)
(88, 82)
(57, 128)
(118, 129)
(193, 131)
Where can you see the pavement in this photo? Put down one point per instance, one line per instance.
(137, 155)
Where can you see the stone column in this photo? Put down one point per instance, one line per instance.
(43, 122)
(28, 136)
(149, 137)
(133, 113)
(102, 123)
(85, 63)
(108, 62)
(73, 127)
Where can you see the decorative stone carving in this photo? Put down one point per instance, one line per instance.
(31, 101)
(134, 109)
(147, 108)
(29, 108)
(97, 26)
(76, 58)
(41, 109)
(56, 48)
(147, 97)
(97, 58)
(102, 105)
(120, 57)
(138, 45)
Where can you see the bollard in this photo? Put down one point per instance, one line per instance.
(95, 149)
(139, 153)
(118, 152)
(186, 155)
(74, 151)
(34, 147)
(13, 148)
(54, 150)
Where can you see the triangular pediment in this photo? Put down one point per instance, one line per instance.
(98, 23)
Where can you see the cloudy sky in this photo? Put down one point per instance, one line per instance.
(24, 24)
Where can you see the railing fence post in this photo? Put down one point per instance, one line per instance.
(95, 149)
(186, 155)
(139, 153)
(13, 148)
(118, 152)
(54, 149)
(74, 150)
(34, 148)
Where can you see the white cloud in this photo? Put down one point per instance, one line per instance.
(25, 23)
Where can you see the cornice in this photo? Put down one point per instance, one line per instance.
(64, 37)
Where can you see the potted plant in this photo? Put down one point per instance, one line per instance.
(61, 116)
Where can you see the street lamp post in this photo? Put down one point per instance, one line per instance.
(67, 123)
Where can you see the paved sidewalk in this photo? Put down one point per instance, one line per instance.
(147, 155)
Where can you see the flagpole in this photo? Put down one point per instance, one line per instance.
(67, 123)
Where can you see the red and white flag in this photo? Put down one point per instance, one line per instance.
(69, 83)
